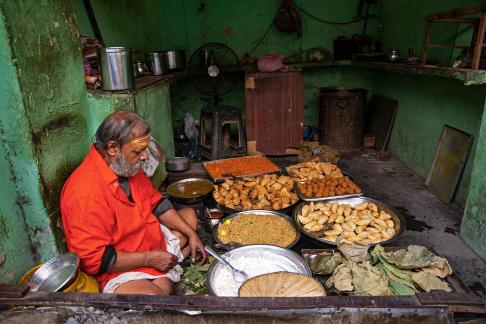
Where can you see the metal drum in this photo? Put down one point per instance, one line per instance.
(341, 118)
(116, 68)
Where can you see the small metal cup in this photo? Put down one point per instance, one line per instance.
(211, 222)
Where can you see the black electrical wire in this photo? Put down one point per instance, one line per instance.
(327, 21)
(394, 10)
(261, 38)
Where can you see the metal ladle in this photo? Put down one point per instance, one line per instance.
(238, 275)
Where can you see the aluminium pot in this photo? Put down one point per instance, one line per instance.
(175, 60)
(178, 164)
(116, 68)
(156, 63)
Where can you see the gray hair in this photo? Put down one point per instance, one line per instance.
(118, 127)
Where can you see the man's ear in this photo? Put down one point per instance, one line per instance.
(112, 148)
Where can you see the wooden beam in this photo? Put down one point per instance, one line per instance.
(460, 20)
(425, 46)
(479, 43)
(456, 13)
(448, 46)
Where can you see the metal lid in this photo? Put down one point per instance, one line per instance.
(115, 49)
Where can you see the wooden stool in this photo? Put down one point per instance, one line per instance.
(217, 125)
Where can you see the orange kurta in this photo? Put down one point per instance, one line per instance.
(97, 213)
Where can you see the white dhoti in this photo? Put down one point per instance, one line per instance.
(174, 274)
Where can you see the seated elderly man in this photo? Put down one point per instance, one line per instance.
(125, 232)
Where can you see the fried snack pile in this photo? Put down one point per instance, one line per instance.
(328, 187)
(362, 223)
(313, 170)
(269, 191)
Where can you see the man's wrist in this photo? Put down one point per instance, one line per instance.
(191, 234)
(145, 259)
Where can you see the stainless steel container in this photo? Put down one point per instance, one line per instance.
(135, 71)
(178, 164)
(175, 60)
(393, 55)
(141, 67)
(156, 62)
(116, 68)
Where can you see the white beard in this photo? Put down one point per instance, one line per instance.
(123, 169)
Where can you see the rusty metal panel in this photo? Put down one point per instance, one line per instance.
(274, 111)
(449, 161)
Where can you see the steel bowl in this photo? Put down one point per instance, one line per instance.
(178, 164)
(258, 212)
(55, 274)
(179, 185)
(285, 259)
(397, 218)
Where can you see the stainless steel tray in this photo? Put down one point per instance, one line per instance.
(398, 219)
(229, 176)
(232, 245)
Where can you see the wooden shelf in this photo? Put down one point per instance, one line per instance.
(144, 81)
(467, 76)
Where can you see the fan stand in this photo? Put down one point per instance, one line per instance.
(215, 132)
(214, 70)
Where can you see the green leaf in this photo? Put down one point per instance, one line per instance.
(414, 257)
(399, 289)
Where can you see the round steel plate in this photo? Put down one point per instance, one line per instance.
(258, 212)
(398, 218)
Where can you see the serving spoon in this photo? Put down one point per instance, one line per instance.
(238, 275)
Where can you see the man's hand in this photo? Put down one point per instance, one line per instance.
(196, 245)
(160, 260)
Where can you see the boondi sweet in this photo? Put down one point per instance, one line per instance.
(249, 229)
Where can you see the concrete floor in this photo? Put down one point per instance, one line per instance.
(429, 220)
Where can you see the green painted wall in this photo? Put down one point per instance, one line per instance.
(16, 247)
(426, 104)
(135, 24)
(48, 140)
(473, 226)
(46, 124)
(240, 25)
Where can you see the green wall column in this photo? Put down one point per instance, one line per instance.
(18, 172)
(49, 139)
(473, 225)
